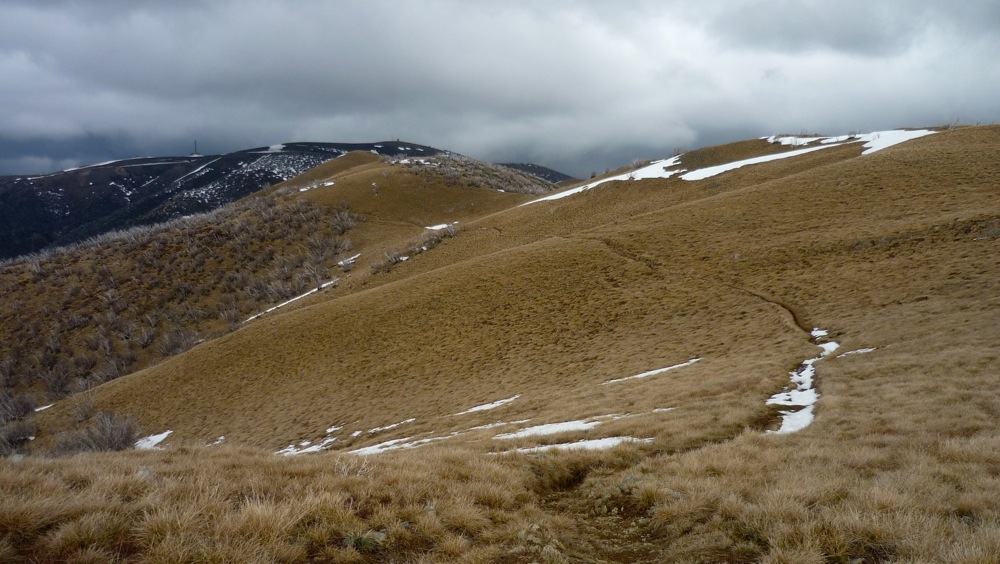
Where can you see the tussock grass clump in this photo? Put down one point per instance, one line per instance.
(237, 504)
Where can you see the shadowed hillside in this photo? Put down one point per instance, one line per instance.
(466, 396)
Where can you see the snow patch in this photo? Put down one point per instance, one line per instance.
(656, 169)
(498, 424)
(859, 351)
(590, 444)
(488, 406)
(653, 372)
(881, 139)
(440, 226)
(152, 442)
(283, 304)
(804, 394)
(711, 171)
(43, 408)
(380, 448)
(393, 426)
(552, 429)
(348, 261)
(306, 446)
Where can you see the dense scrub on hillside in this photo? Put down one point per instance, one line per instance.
(455, 169)
(90, 313)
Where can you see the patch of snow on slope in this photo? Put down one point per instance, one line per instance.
(393, 426)
(591, 444)
(653, 372)
(440, 226)
(498, 424)
(381, 447)
(708, 172)
(881, 139)
(283, 304)
(348, 261)
(305, 447)
(488, 406)
(552, 428)
(859, 351)
(794, 141)
(151, 442)
(874, 141)
(656, 169)
(804, 394)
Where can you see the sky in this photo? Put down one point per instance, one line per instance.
(578, 86)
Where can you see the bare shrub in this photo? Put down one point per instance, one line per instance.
(391, 259)
(176, 341)
(57, 379)
(8, 371)
(109, 431)
(342, 220)
(84, 363)
(230, 315)
(16, 434)
(317, 272)
(145, 336)
(77, 320)
(82, 407)
(14, 407)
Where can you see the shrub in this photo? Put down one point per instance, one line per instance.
(343, 220)
(13, 435)
(176, 341)
(14, 407)
(109, 431)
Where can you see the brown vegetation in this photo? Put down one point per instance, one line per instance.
(894, 251)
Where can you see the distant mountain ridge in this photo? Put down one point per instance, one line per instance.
(40, 211)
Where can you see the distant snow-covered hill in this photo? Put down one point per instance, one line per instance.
(63, 207)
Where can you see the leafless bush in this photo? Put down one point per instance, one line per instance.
(390, 259)
(8, 371)
(84, 363)
(14, 435)
(57, 379)
(279, 290)
(176, 341)
(108, 372)
(230, 315)
(342, 220)
(316, 271)
(145, 336)
(15, 406)
(257, 288)
(109, 431)
(234, 281)
(77, 320)
(82, 407)
(53, 342)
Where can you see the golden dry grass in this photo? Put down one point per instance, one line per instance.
(895, 250)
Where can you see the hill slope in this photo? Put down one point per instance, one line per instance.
(662, 315)
(64, 207)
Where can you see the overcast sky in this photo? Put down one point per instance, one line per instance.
(574, 85)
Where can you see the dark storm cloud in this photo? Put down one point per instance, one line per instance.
(575, 85)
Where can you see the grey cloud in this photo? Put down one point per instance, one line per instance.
(578, 85)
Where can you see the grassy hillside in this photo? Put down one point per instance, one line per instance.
(447, 363)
